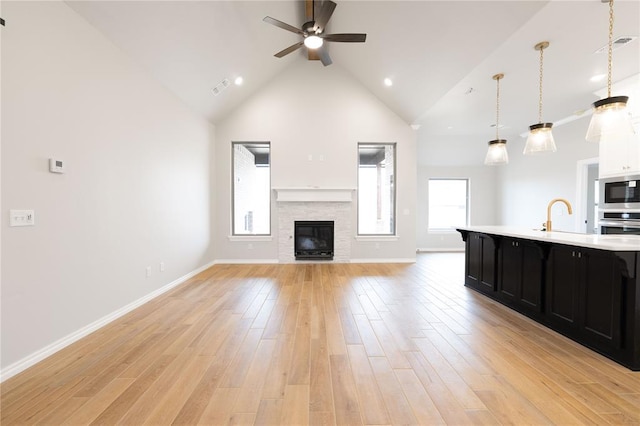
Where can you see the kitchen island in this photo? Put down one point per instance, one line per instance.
(583, 286)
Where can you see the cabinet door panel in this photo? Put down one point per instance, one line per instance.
(601, 297)
(511, 269)
(474, 257)
(531, 291)
(563, 285)
(488, 280)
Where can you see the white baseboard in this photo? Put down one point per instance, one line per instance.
(441, 250)
(399, 260)
(245, 261)
(28, 361)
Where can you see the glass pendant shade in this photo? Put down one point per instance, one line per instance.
(497, 153)
(610, 120)
(540, 139)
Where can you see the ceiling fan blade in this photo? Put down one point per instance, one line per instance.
(345, 38)
(324, 56)
(284, 26)
(289, 49)
(326, 10)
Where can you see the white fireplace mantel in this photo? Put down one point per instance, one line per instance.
(310, 194)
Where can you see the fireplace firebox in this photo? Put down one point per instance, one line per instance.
(313, 239)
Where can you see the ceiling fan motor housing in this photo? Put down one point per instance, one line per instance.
(310, 28)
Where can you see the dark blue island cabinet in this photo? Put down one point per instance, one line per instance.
(588, 294)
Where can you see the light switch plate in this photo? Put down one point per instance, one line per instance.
(22, 218)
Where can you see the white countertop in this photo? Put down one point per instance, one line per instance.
(610, 242)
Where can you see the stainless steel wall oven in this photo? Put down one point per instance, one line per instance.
(619, 211)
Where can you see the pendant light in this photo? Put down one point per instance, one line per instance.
(610, 119)
(497, 152)
(540, 138)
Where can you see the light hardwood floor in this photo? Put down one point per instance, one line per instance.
(324, 344)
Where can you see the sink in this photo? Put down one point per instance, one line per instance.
(561, 232)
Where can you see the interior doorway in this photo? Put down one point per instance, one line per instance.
(587, 196)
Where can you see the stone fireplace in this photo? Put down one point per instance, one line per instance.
(314, 204)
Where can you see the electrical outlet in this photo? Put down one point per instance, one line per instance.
(148, 271)
(250, 246)
(161, 266)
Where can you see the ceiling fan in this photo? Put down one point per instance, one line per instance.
(312, 31)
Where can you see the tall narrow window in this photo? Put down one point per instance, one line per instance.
(376, 189)
(448, 203)
(251, 188)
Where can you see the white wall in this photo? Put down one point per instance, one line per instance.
(320, 112)
(483, 201)
(529, 183)
(136, 191)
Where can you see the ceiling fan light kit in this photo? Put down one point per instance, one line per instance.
(313, 42)
(313, 33)
(540, 137)
(497, 153)
(610, 119)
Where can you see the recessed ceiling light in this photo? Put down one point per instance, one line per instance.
(450, 127)
(238, 81)
(388, 82)
(598, 77)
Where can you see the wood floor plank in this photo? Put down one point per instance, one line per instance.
(95, 405)
(239, 367)
(295, 405)
(367, 387)
(118, 408)
(300, 358)
(387, 342)
(269, 412)
(369, 339)
(447, 404)
(277, 376)
(242, 419)
(349, 327)
(141, 409)
(423, 407)
(219, 409)
(345, 397)
(456, 384)
(324, 344)
(399, 409)
(320, 392)
(248, 399)
(167, 407)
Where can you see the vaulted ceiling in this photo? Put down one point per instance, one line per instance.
(441, 55)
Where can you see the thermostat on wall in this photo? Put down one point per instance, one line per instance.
(56, 166)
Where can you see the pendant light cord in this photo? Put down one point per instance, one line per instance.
(540, 94)
(610, 56)
(497, 106)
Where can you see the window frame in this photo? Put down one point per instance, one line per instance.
(467, 204)
(233, 234)
(394, 210)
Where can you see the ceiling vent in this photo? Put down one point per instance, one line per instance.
(221, 86)
(617, 43)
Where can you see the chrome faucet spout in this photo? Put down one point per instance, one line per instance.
(555, 200)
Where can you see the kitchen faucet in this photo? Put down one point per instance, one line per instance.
(555, 200)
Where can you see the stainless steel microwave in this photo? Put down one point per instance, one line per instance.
(620, 193)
